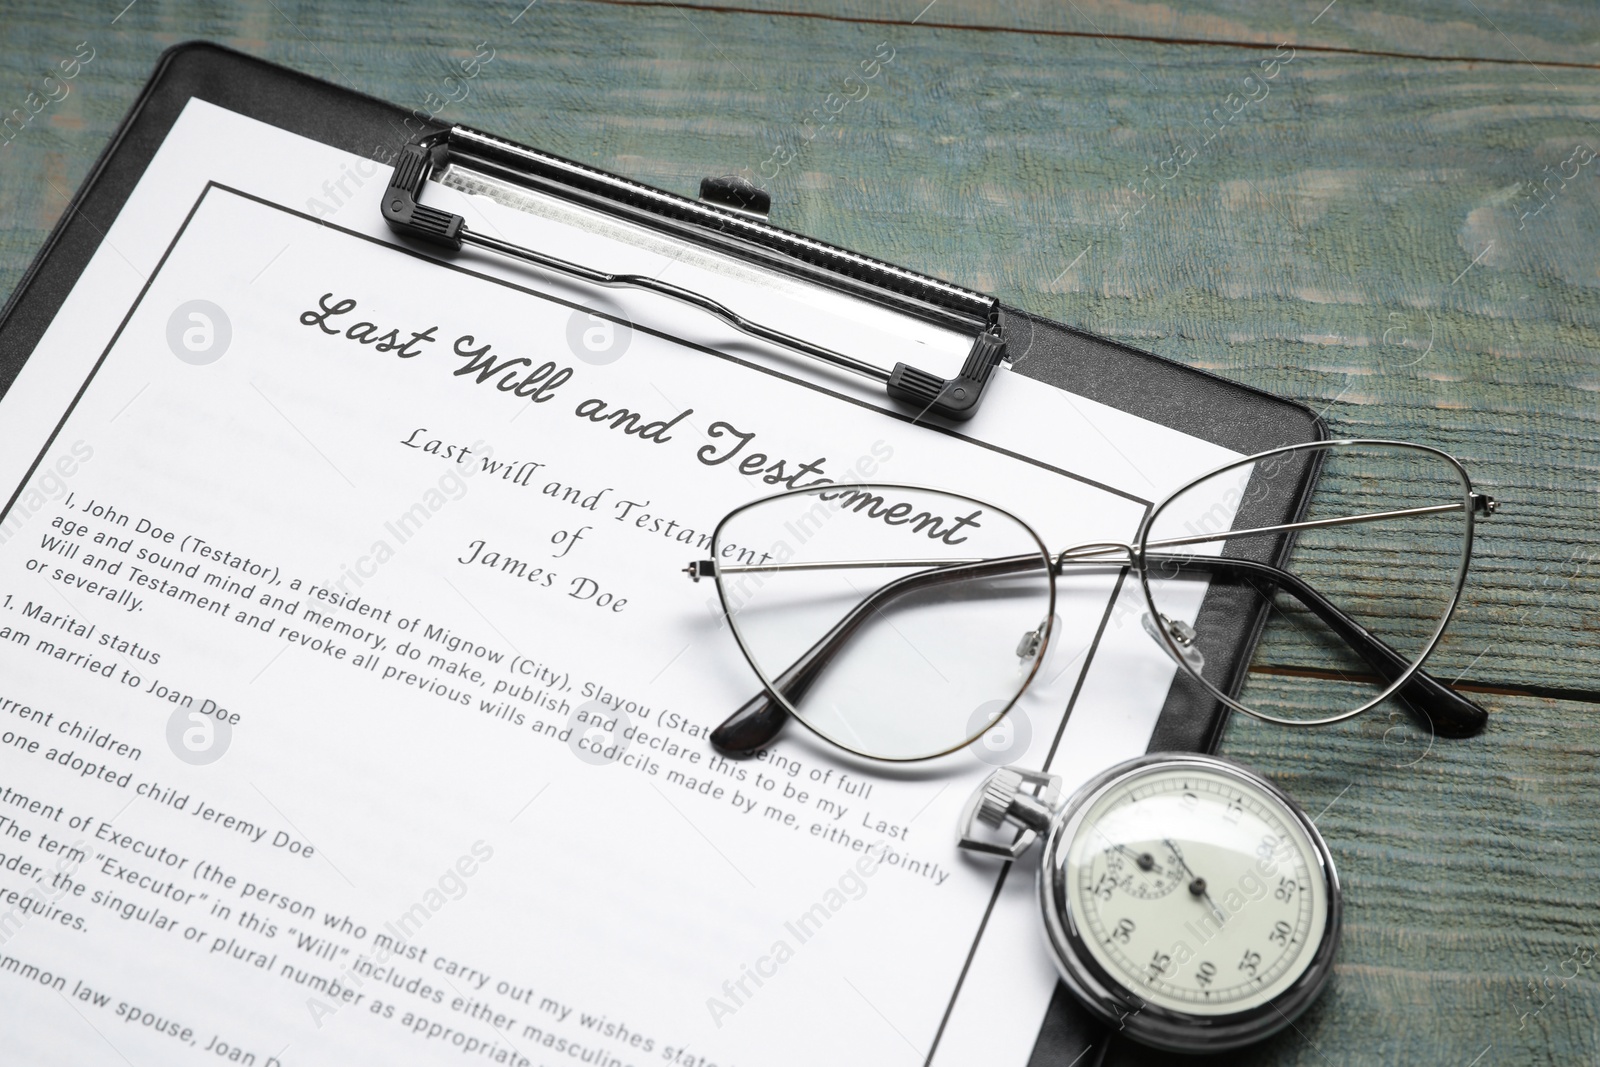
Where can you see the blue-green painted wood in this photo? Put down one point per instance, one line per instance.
(1352, 238)
(1550, 34)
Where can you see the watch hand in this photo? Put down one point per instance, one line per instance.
(1198, 886)
(1145, 861)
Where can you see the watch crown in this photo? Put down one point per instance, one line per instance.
(998, 791)
(1023, 799)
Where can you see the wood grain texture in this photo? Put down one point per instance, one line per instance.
(1352, 237)
(1468, 871)
(1504, 30)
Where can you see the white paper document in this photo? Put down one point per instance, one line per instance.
(355, 702)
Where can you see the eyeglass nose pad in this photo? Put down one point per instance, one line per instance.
(1040, 641)
(1183, 635)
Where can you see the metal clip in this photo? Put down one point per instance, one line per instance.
(736, 194)
(731, 218)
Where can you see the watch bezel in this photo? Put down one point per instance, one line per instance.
(1122, 1008)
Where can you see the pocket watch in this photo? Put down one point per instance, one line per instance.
(1187, 902)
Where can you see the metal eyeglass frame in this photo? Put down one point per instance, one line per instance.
(1444, 711)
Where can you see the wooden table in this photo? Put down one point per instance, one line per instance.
(1361, 238)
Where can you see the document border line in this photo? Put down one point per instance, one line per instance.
(749, 364)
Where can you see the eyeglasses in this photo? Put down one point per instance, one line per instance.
(901, 622)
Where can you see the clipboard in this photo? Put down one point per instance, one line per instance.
(1205, 406)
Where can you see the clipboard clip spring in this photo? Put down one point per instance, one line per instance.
(743, 233)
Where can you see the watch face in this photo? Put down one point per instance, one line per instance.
(1195, 889)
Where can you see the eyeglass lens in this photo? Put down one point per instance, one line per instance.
(1394, 575)
(896, 622)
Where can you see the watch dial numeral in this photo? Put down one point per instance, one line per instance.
(1162, 849)
(1234, 812)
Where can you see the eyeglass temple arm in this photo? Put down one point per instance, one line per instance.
(1435, 705)
(759, 720)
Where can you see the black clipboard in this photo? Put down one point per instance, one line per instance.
(1237, 417)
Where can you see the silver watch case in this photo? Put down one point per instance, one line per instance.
(1116, 1005)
